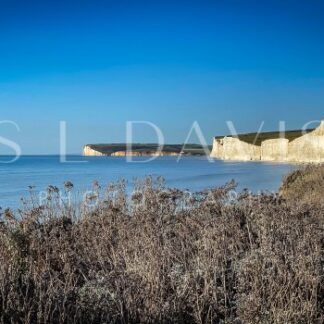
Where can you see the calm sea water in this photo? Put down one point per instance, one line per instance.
(192, 173)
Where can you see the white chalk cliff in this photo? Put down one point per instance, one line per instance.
(307, 148)
(230, 148)
(148, 153)
(88, 151)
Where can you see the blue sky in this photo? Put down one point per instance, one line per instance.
(98, 64)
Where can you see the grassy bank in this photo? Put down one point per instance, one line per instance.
(258, 138)
(163, 255)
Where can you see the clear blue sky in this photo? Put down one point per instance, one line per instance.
(97, 64)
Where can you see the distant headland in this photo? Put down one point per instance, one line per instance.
(143, 150)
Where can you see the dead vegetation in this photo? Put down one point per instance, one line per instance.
(305, 185)
(163, 256)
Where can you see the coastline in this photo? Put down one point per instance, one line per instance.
(194, 173)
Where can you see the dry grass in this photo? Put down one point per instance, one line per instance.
(305, 185)
(163, 256)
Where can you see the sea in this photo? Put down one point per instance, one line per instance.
(36, 173)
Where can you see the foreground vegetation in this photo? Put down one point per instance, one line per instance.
(258, 138)
(163, 255)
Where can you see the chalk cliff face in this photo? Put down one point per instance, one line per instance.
(230, 148)
(124, 153)
(150, 153)
(88, 151)
(307, 148)
(275, 150)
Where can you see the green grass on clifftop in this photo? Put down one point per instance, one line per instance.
(258, 138)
